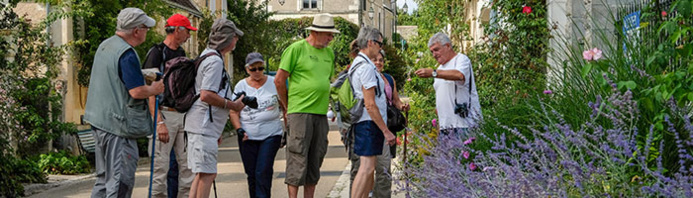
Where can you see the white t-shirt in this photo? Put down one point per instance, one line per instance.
(445, 95)
(209, 75)
(367, 76)
(264, 121)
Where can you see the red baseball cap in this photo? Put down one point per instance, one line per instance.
(180, 20)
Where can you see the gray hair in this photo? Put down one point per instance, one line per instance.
(367, 34)
(125, 32)
(440, 38)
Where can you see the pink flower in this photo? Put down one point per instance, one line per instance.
(664, 13)
(408, 79)
(526, 9)
(472, 166)
(587, 55)
(434, 122)
(592, 54)
(548, 91)
(469, 141)
(465, 154)
(597, 54)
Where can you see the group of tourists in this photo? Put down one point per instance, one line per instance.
(289, 109)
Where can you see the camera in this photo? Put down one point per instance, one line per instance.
(250, 101)
(462, 109)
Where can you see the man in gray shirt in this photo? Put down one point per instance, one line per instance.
(207, 117)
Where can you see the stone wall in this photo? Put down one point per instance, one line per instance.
(580, 22)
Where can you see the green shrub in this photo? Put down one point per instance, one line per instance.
(63, 163)
(15, 171)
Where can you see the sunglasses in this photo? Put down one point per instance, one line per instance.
(378, 42)
(256, 69)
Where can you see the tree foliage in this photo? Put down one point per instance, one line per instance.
(30, 115)
(251, 17)
(404, 18)
(446, 16)
(98, 22)
(513, 56)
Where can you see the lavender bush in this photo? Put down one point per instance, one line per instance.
(556, 160)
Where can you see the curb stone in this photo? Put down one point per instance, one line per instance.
(30, 189)
(341, 187)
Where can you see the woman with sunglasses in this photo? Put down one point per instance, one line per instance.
(259, 130)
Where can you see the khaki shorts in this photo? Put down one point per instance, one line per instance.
(202, 153)
(306, 147)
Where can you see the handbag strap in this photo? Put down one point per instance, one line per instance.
(392, 87)
(377, 90)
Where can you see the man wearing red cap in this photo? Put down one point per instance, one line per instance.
(169, 130)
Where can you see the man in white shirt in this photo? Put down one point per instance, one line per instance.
(457, 101)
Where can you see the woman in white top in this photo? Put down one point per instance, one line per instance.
(259, 130)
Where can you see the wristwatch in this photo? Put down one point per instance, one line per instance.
(434, 73)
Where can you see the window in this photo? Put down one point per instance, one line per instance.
(310, 4)
(363, 4)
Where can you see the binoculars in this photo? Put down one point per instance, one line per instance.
(250, 101)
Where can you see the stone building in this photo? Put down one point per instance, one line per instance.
(373, 13)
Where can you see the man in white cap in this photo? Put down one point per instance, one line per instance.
(117, 105)
(169, 130)
(308, 65)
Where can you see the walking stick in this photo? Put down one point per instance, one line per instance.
(404, 159)
(151, 164)
(214, 183)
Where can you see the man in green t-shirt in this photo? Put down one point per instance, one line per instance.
(308, 65)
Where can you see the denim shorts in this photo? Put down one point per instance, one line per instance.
(368, 139)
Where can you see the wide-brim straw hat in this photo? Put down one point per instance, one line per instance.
(323, 23)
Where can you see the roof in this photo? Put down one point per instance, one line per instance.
(186, 5)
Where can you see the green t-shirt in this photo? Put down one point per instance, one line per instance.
(310, 70)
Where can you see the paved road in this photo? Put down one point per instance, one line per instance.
(231, 180)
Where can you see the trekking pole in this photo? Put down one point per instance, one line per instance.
(404, 159)
(151, 163)
(214, 183)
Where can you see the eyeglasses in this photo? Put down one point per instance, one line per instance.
(256, 69)
(143, 27)
(378, 42)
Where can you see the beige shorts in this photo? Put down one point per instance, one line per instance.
(306, 147)
(202, 153)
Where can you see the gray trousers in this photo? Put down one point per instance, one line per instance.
(116, 162)
(383, 178)
(162, 155)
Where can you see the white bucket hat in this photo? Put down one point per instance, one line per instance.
(323, 23)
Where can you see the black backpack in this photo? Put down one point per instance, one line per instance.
(179, 81)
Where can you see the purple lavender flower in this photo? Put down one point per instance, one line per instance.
(548, 91)
(554, 159)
